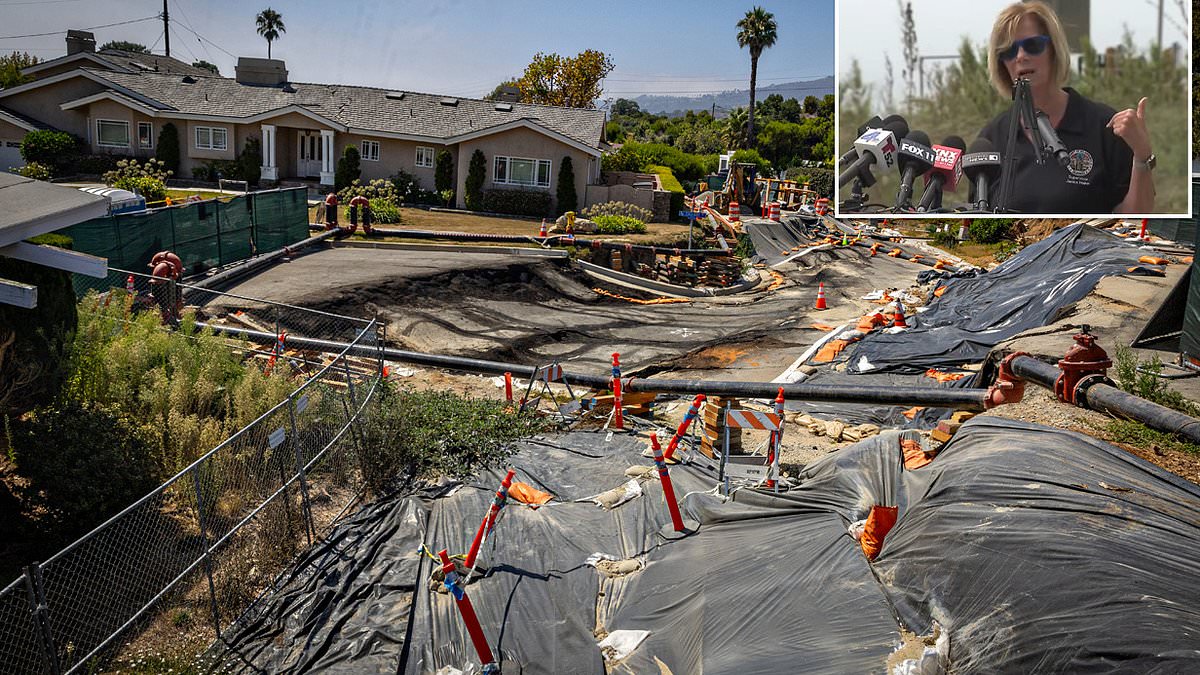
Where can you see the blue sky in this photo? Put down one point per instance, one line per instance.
(460, 47)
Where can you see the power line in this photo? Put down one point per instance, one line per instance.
(201, 37)
(701, 78)
(59, 32)
(38, 2)
(187, 22)
(189, 50)
(710, 92)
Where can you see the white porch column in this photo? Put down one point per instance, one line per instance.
(269, 169)
(327, 157)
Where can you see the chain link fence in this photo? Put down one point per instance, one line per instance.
(183, 562)
(204, 234)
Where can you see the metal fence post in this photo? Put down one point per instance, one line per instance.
(217, 207)
(39, 612)
(212, 588)
(310, 529)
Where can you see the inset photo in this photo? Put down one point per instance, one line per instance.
(1053, 108)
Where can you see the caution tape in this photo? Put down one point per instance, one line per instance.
(638, 301)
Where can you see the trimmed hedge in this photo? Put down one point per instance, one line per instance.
(670, 184)
(517, 202)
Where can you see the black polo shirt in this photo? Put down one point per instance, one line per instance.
(1094, 181)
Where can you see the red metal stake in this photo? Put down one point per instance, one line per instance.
(508, 387)
(668, 489)
(490, 519)
(468, 612)
(687, 419)
(618, 414)
(1142, 234)
(776, 438)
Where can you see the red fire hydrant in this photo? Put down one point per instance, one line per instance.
(1084, 364)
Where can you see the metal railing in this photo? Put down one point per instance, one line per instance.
(196, 553)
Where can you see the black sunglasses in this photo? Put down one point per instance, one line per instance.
(1033, 46)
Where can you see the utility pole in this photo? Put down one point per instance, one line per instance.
(1160, 15)
(166, 25)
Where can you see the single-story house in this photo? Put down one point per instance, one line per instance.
(118, 102)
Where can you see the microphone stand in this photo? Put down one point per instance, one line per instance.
(1023, 116)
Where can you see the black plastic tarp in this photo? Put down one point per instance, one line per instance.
(1026, 291)
(1189, 341)
(1037, 550)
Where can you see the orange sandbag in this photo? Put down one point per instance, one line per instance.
(879, 523)
(870, 322)
(940, 290)
(915, 456)
(823, 326)
(942, 376)
(527, 494)
(1186, 261)
(912, 412)
(830, 351)
(1151, 260)
(895, 253)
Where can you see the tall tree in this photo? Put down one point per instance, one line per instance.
(756, 30)
(122, 45)
(10, 69)
(211, 67)
(734, 133)
(570, 81)
(270, 25)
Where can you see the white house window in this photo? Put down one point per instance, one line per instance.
(212, 138)
(424, 156)
(112, 133)
(370, 151)
(145, 135)
(521, 171)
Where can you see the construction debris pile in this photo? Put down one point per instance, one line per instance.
(971, 563)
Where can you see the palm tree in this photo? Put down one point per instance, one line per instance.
(270, 25)
(756, 31)
(733, 132)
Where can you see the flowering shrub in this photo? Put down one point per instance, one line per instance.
(378, 189)
(617, 209)
(619, 225)
(129, 168)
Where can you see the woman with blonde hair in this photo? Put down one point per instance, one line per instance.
(1109, 160)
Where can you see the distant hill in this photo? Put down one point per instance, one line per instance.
(728, 100)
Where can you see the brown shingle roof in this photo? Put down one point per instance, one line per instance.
(367, 108)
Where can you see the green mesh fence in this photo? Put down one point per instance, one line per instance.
(203, 234)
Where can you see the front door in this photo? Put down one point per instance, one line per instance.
(309, 153)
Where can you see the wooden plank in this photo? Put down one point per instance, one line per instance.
(58, 258)
(16, 293)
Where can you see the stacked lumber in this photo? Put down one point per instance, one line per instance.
(712, 436)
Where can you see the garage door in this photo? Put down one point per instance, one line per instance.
(10, 153)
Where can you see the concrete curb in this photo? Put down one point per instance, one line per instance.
(662, 288)
(452, 248)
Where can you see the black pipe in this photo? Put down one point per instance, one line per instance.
(1109, 399)
(553, 240)
(962, 399)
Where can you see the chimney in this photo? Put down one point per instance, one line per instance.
(260, 72)
(80, 41)
(510, 94)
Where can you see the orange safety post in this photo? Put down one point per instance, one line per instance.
(508, 387)
(668, 490)
(776, 440)
(490, 519)
(276, 351)
(1142, 234)
(468, 612)
(618, 414)
(687, 419)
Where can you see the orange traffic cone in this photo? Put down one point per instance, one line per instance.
(543, 232)
(821, 296)
(898, 318)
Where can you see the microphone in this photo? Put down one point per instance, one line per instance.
(1050, 139)
(852, 154)
(876, 146)
(946, 171)
(915, 158)
(982, 167)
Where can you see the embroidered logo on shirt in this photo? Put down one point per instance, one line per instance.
(1079, 165)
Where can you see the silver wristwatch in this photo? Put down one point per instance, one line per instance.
(1149, 164)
